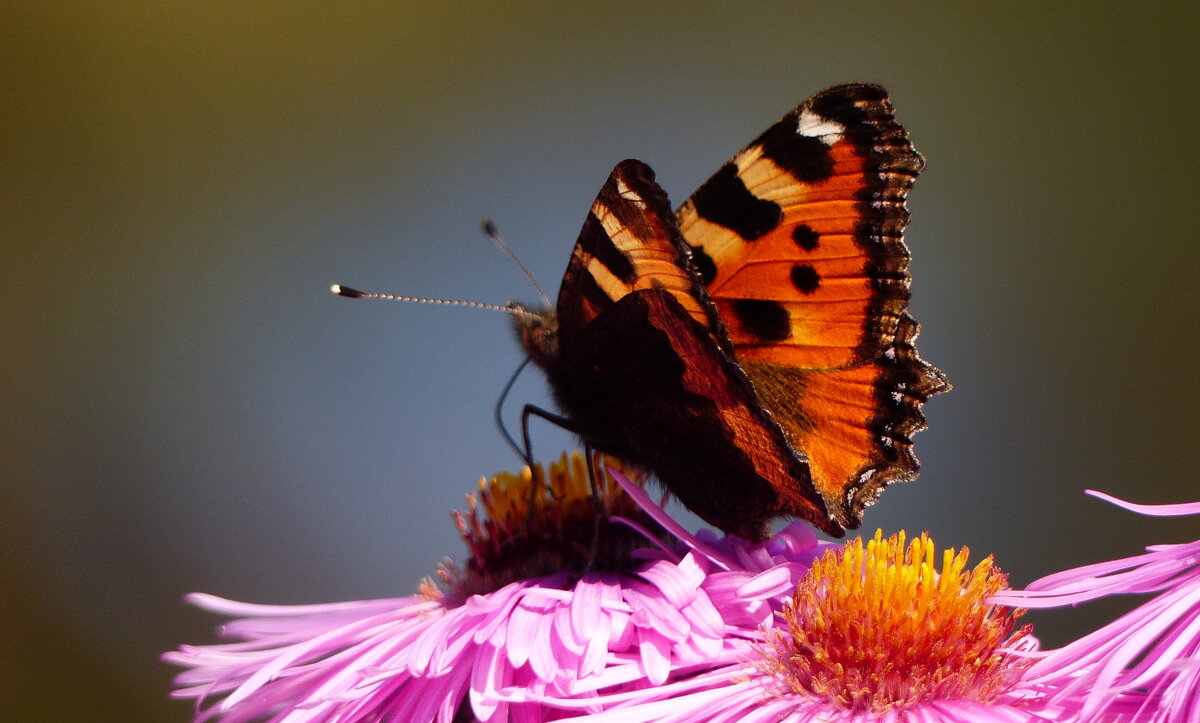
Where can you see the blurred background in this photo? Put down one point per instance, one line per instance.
(185, 406)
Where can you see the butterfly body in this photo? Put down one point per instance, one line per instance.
(752, 349)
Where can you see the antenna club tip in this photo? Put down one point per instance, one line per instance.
(346, 291)
(489, 227)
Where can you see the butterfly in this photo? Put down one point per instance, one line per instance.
(753, 348)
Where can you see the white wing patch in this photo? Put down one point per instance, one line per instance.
(814, 126)
(628, 193)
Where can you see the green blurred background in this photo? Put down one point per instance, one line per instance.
(185, 407)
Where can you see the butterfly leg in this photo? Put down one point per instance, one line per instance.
(599, 518)
(533, 411)
(496, 411)
(589, 453)
(557, 420)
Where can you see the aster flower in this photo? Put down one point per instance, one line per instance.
(537, 613)
(872, 632)
(882, 634)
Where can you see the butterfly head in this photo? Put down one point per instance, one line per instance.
(537, 330)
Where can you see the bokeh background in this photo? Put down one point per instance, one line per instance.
(185, 407)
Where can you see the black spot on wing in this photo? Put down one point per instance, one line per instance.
(805, 278)
(724, 200)
(594, 240)
(806, 158)
(805, 237)
(704, 264)
(767, 320)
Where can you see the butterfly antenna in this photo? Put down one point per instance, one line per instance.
(489, 228)
(500, 404)
(350, 293)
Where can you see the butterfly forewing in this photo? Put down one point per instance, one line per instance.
(814, 236)
(629, 242)
(798, 239)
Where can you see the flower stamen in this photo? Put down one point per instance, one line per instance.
(882, 629)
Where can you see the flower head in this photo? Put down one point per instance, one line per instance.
(518, 527)
(883, 629)
(877, 635)
(872, 632)
(516, 626)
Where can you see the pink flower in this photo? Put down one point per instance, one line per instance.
(882, 634)
(523, 623)
(872, 632)
(656, 624)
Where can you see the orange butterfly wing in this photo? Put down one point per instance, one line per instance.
(798, 239)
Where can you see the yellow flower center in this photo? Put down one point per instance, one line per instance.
(882, 629)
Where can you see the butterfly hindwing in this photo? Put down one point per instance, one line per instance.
(798, 239)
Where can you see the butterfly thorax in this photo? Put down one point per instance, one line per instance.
(537, 330)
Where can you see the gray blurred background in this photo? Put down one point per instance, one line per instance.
(185, 407)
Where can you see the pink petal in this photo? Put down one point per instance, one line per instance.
(655, 657)
(1175, 510)
(585, 608)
